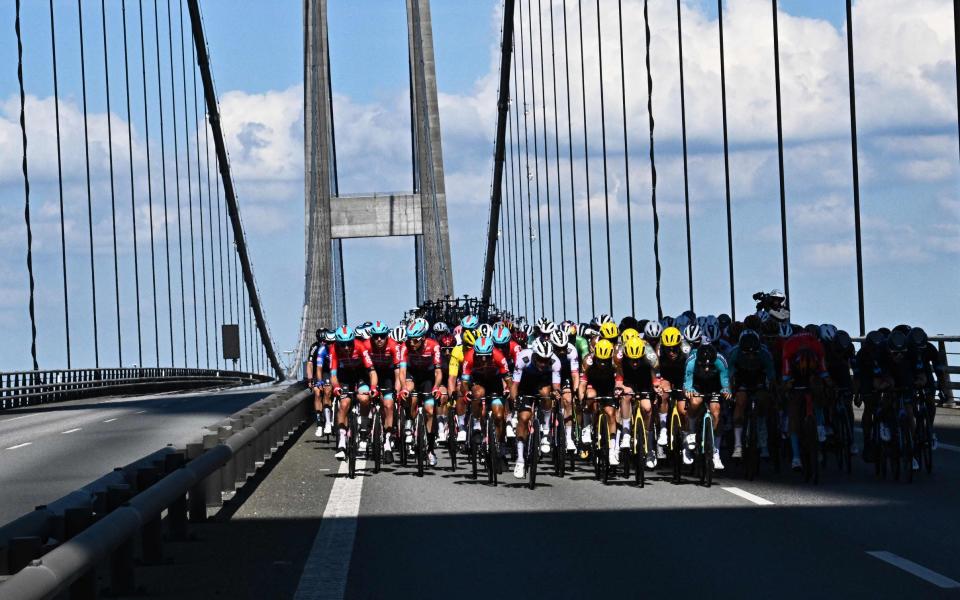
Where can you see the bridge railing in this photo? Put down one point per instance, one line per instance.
(30, 388)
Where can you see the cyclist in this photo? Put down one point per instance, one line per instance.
(420, 371)
(569, 378)
(318, 364)
(803, 366)
(671, 371)
(385, 355)
(537, 373)
(350, 365)
(600, 379)
(454, 369)
(504, 342)
(706, 374)
(751, 374)
(486, 374)
(903, 372)
(636, 367)
(934, 367)
(839, 356)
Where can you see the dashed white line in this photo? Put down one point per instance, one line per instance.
(949, 447)
(139, 412)
(19, 446)
(747, 496)
(941, 581)
(75, 429)
(111, 420)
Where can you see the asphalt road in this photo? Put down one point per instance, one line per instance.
(49, 451)
(304, 530)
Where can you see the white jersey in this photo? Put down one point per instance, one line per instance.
(527, 366)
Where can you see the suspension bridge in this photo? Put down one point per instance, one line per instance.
(155, 440)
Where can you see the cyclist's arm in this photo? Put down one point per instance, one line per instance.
(724, 375)
(688, 372)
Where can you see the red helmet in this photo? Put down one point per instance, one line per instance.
(520, 336)
(447, 341)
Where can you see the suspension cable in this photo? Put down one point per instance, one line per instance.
(133, 191)
(556, 153)
(511, 232)
(526, 147)
(586, 160)
(86, 155)
(626, 160)
(203, 251)
(726, 162)
(518, 205)
(683, 133)
(603, 137)
(26, 190)
(163, 167)
(63, 231)
(783, 191)
(186, 141)
(573, 207)
(536, 154)
(213, 263)
(653, 164)
(546, 156)
(146, 128)
(113, 196)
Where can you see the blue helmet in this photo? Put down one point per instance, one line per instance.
(470, 322)
(379, 328)
(417, 329)
(501, 335)
(483, 346)
(344, 335)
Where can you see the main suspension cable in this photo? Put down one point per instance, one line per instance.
(573, 206)
(586, 159)
(603, 138)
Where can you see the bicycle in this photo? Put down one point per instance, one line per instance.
(809, 439)
(706, 440)
(558, 438)
(674, 427)
(492, 445)
(353, 431)
(639, 452)
(752, 436)
(532, 449)
(377, 436)
(843, 428)
(473, 433)
(923, 439)
(601, 455)
(420, 441)
(453, 428)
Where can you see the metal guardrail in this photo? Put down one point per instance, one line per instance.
(30, 388)
(179, 484)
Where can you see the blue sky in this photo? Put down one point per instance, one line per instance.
(910, 172)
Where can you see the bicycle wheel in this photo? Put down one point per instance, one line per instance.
(640, 445)
(603, 435)
(559, 445)
(924, 443)
(533, 453)
(420, 442)
(493, 451)
(675, 440)
(906, 449)
(376, 440)
(845, 440)
(452, 437)
(708, 446)
(472, 445)
(352, 445)
(400, 416)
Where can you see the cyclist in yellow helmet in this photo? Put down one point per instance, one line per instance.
(636, 363)
(671, 370)
(599, 378)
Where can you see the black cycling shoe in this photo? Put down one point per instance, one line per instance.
(387, 457)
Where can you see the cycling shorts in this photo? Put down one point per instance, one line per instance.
(493, 385)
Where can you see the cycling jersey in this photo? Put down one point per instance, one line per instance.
(799, 344)
(673, 369)
(601, 375)
(695, 380)
(530, 376)
(425, 358)
(385, 359)
(569, 362)
(636, 373)
(838, 365)
(510, 350)
(750, 369)
(582, 346)
(493, 369)
(353, 357)
(456, 358)
(902, 369)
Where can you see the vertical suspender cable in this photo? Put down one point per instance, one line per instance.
(626, 160)
(518, 205)
(146, 131)
(683, 131)
(511, 232)
(163, 168)
(176, 180)
(113, 195)
(573, 207)
(213, 262)
(726, 162)
(546, 157)
(203, 244)
(536, 155)
(226, 255)
(856, 167)
(603, 138)
(86, 154)
(63, 231)
(783, 193)
(556, 142)
(26, 190)
(586, 160)
(133, 191)
(526, 148)
(653, 163)
(956, 53)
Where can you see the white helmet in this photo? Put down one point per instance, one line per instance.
(692, 333)
(484, 330)
(782, 315)
(604, 318)
(560, 339)
(546, 326)
(652, 330)
(542, 348)
(440, 327)
(399, 334)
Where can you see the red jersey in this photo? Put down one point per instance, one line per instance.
(353, 357)
(497, 366)
(427, 357)
(510, 352)
(388, 357)
(796, 344)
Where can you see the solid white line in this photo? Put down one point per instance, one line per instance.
(747, 496)
(19, 446)
(111, 420)
(949, 447)
(325, 572)
(941, 581)
(72, 430)
(20, 417)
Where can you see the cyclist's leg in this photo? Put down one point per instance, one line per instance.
(795, 412)
(626, 410)
(566, 396)
(739, 411)
(546, 405)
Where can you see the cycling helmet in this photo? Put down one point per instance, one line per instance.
(559, 339)
(670, 337)
(843, 341)
(603, 318)
(501, 335)
(485, 330)
(712, 331)
(749, 341)
(447, 340)
(813, 330)
(546, 326)
(469, 337)
(667, 321)
(874, 340)
(529, 330)
(692, 333)
(763, 315)
(542, 349)
(603, 350)
(585, 331)
(329, 337)
(724, 320)
(440, 328)
(828, 332)
(918, 337)
(399, 334)
(344, 335)
(520, 337)
(629, 333)
(701, 321)
(706, 355)
(652, 330)
(320, 333)
(712, 320)
(609, 330)
(483, 346)
(633, 347)
(897, 342)
(786, 330)
(417, 329)
(470, 322)
(682, 322)
(379, 328)
(902, 328)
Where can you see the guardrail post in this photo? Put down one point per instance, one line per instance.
(197, 495)
(229, 471)
(151, 534)
(177, 511)
(121, 560)
(211, 485)
(948, 387)
(75, 521)
(22, 550)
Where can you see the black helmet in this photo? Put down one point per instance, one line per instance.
(813, 330)
(706, 354)
(884, 331)
(749, 341)
(842, 340)
(918, 337)
(874, 340)
(724, 320)
(902, 328)
(897, 342)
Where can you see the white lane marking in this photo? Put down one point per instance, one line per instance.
(747, 496)
(111, 420)
(20, 417)
(19, 446)
(325, 572)
(75, 429)
(941, 581)
(139, 412)
(949, 447)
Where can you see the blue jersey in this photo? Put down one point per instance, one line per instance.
(719, 381)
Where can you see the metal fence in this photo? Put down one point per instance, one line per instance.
(30, 388)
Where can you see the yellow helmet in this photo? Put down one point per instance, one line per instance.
(670, 337)
(609, 331)
(469, 337)
(633, 347)
(629, 333)
(604, 349)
